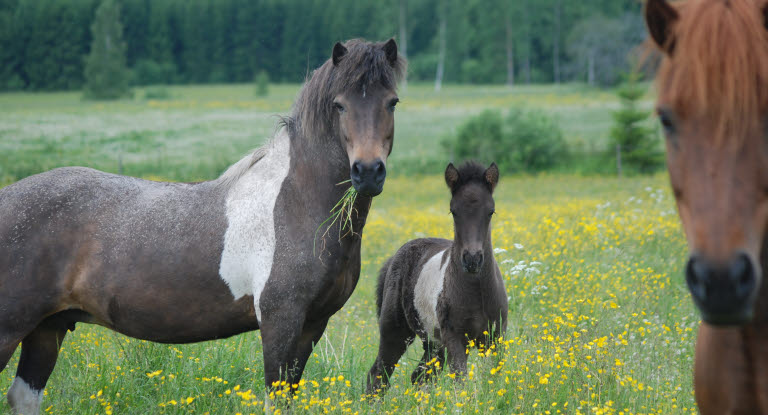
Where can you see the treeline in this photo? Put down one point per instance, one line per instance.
(43, 43)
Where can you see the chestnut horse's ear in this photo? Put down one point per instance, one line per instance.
(451, 176)
(390, 49)
(765, 16)
(660, 16)
(338, 52)
(492, 176)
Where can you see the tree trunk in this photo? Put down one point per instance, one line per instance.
(403, 47)
(441, 55)
(510, 54)
(556, 43)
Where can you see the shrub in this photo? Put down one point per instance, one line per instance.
(524, 141)
(157, 93)
(106, 76)
(149, 72)
(262, 83)
(638, 144)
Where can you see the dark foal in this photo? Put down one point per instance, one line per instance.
(447, 292)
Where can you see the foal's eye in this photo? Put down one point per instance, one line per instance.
(340, 108)
(393, 104)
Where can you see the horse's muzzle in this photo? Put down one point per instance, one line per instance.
(368, 178)
(724, 293)
(472, 263)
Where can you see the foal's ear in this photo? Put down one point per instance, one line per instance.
(338, 52)
(390, 49)
(451, 176)
(660, 16)
(492, 176)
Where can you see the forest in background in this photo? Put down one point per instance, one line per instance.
(43, 43)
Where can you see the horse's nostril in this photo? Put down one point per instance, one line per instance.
(357, 169)
(742, 273)
(697, 276)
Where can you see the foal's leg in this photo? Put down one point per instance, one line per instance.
(395, 339)
(422, 373)
(39, 351)
(456, 345)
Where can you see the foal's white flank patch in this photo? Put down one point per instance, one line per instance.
(428, 289)
(249, 243)
(25, 399)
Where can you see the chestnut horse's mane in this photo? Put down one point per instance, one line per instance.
(718, 68)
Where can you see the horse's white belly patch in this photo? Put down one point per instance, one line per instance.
(428, 289)
(249, 242)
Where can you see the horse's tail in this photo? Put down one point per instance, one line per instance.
(380, 285)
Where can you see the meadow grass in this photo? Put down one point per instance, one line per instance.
(600, 320)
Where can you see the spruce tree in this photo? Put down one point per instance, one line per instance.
(636, 144)
(106, 75)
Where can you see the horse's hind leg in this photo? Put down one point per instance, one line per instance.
(428, 368)
(39, 351)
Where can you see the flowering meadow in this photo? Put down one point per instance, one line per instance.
(600, 320)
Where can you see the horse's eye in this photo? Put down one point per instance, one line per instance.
(492, 213)
(666, 122)
(453, 212)
(340, 108)
(393, 104)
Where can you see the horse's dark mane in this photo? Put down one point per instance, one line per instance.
(470, 172)
(365, 64)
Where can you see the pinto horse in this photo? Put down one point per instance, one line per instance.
(712, 104)
(178, 263)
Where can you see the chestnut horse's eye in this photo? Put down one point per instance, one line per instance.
(393, 104)
(666, 122)
(340, 108)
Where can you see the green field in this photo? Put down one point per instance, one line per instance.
(600, 319)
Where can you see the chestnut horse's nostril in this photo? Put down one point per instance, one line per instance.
(697, 276)
(742, 273)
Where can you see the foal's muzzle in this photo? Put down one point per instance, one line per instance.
(725, 293)
(472, 262)
(368, 178)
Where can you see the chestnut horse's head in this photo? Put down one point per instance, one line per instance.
(713, 103)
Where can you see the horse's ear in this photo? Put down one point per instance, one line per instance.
(765, 16)
(451, 176)
(390, 49)
(338, 52)
(660, 16)
(492, 176)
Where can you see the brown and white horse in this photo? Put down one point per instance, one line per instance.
(176, 263)
(713, 106)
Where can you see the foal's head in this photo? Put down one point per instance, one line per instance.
(472, 206)
(352, 98)
(713, 102)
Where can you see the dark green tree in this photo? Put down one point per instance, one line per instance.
(106, 74)
(636, 146)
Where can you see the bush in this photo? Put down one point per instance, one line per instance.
(149, 72)
(525, 141)
(157, 93)
(106, 76)
(638, 144)
(262, 83)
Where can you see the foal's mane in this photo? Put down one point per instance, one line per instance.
(365, 64)
(718, 66)
(470, 172)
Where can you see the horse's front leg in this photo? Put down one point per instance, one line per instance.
(281, 333)
(456, 345)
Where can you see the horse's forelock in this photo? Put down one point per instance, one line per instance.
(365, 64)
(718, 69)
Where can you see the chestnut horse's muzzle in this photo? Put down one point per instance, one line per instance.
(368, 178)
(724, 293)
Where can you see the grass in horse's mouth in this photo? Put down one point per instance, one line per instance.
(342, 213)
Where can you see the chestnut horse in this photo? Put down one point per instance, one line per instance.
(178, 262)
(713, 106)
